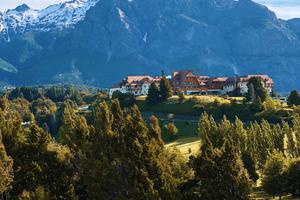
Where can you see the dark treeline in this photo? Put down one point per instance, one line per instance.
(45, 105)
(112, 153)
(56, 94)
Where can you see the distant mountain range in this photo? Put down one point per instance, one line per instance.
(99, 41)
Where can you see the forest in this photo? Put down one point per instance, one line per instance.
(51, 148)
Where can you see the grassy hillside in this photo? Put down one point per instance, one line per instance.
(183, 108)
(5, 66)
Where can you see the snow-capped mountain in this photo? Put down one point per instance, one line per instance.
(23, 19)
(110, 39)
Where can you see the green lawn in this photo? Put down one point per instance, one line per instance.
(185, 129)
(185, 108)
(187, 146)
(190, 106)
(205, 99)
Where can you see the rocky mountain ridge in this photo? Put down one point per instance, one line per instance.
(116, 38)
(23, 19)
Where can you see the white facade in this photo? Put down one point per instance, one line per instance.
(229, 88)
(140, 89)
(243, 87)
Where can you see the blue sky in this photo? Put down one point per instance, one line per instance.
(284, 9)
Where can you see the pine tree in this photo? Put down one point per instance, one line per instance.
(250, 165)
(208, 128)
(118, 119)
(74, 130)
(251, 96)
(258, 87)
(239, 135)
(49, 166)
(155, 130)
(165, 89)
(99, 165)
(290, 143)
(257, 105)
(219, 173)
(296, 130)
(153, 95)
(162, 182)
(293, 99)
(38, 194)
(292, 175)
(236, 183)
(6, 170)
(273, 180)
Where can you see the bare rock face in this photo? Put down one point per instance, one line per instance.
(101, 41)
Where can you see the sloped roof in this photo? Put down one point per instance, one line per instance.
(131, 79)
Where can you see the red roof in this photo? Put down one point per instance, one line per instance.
(219, 79)
(131, 79)
(263, 77)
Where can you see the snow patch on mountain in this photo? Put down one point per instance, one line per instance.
(123, 18)
(58, 16)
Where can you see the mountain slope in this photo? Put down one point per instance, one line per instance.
(23, 19)
(116, 38)
(5, 66)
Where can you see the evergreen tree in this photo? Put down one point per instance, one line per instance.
(293, 99)
(49, 166)
(153, 95)
(236, 183)
(4, 103)
(296, 131)
(118, 119)
(293, 177)
(251, 96)
(126, 99)
(219, 173)
(128, 160)
(239, 135)
(258, 87)
(273, 180)
(250, 165)
(6, 170)
(208, 128)
(104, 174)
(165, 89)
(38, 194)
(155, 130)
(257, 105)
(74, 130)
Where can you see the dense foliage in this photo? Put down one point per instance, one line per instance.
(159, 94)
(294, 99)
(57, 149)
